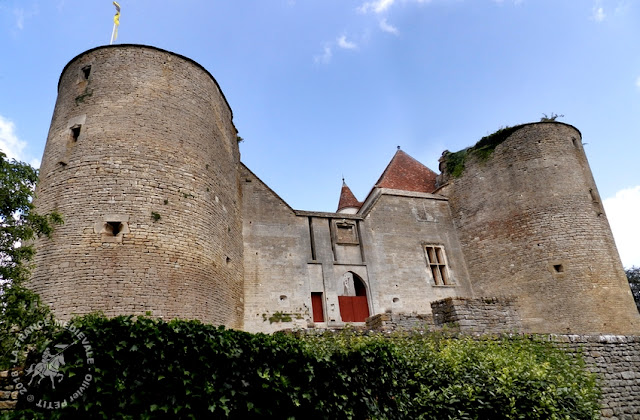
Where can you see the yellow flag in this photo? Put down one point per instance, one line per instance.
(116, 20)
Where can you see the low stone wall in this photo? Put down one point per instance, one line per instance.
(400, 322)
(615, 359)
(8, 393)
(477, 315)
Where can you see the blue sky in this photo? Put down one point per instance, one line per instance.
(322, 89)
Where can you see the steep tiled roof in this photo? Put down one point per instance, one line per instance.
(407, 174)
(347, 199)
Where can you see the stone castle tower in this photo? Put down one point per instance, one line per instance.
(142, 161)
(161, 216)
(532, 225)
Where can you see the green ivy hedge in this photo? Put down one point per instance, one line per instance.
(147, 369)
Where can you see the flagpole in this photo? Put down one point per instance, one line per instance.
(113, 32)
(116, 22)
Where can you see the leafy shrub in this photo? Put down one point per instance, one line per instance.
(148, 369)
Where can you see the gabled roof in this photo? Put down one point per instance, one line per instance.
(407, 174)
(347, 199)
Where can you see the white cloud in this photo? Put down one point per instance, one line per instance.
(381, 6)
(11, 145)
(19, 14)
(377, 6)
(348, 45)
(9, 142)
(598, 14)
(387, 27)
(623, 212)
(638, 82)
(325, 57)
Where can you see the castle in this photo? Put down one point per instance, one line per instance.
(161, 216)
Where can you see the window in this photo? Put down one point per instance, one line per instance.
(75, 132)
(86, 71)
(112, 227)
(437, 264)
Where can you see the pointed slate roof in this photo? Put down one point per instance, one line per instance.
(407, 174)
(347, 199)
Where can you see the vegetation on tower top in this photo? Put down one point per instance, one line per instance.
(454, 162)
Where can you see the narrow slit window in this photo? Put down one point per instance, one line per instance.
(75, 132)
(86, 71)
(437, 263)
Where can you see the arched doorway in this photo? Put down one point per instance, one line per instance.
(353, 303)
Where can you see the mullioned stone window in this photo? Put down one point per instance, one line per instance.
(437, 262)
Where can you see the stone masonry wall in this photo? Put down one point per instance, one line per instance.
(477, 315)
(8, 392)
(532, 225)
(142, 162)
(400, 322)
(276, 251)
(397, 227)
(615, 359)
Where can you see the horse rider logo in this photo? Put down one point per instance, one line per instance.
(49, 366)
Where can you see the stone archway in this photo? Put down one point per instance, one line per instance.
(354, 306)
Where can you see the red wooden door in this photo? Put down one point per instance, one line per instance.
(346, 308)
(360, 308)
(353, 308)
(316, 306)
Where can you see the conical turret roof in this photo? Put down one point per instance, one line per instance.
(347, 199)
(407, 174)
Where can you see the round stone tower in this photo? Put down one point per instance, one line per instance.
(142, 162)
(532, 225)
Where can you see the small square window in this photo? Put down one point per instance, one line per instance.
(437, 264)
(112, 228)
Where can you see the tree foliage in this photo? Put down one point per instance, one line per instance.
(633, 275)
(19, 225)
